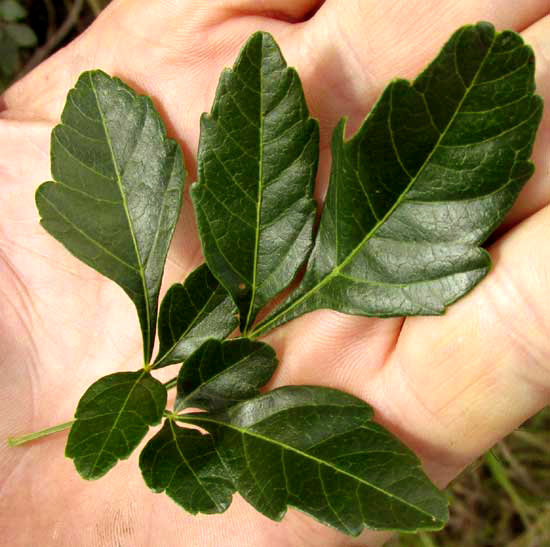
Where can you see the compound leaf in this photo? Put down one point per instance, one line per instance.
(117, 191)
(220, 374)
(185, 464)
(257, 163)
(429, 175)
(192, 313)
(317, 449)
(112, 417)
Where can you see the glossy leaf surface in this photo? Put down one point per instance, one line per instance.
(220, 374)
(185, 464)
(318, 449)
(430, 174)
(258, 157)
(191, 313)
(117, 191)
(112, 417)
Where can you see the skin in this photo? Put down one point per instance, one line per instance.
(449, 386)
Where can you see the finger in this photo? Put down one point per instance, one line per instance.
(156, 47)
(354, 48)
(167, 49)
(399, 36)
(475, 374)
(348, 53)
(293, 10)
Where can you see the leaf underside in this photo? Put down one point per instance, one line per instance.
(221, 374)
(112, 417)
(192, 313)
(317, 449)
(117, 191)
(257, 164)
(426, 179)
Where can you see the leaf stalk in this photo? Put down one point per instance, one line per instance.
(171, 383)
(22, 439)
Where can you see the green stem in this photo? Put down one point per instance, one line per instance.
(171, 383)
(256, 332)
(426, 540)
(264, 325)
(15, 441)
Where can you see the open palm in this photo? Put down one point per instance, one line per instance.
(449, 386)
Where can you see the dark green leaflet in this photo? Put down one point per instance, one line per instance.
(117, 191)
(192, 313)
(318, 449)
(258, 157)
(184, 463)
(112, 418)
(220, 374)
(430, 174)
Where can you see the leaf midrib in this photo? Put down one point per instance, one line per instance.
(141, 271)
(193, 324)
(259, 199)
(196, 418)
(186, 461)
(118, 415)
(336, 271)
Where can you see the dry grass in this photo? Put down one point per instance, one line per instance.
(504, 499)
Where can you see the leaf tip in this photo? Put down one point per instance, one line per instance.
(261, 36)
(484, 27)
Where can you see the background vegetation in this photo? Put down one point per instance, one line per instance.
(503, 500)
(31, 30)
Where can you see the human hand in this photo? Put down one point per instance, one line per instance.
(449, 386)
